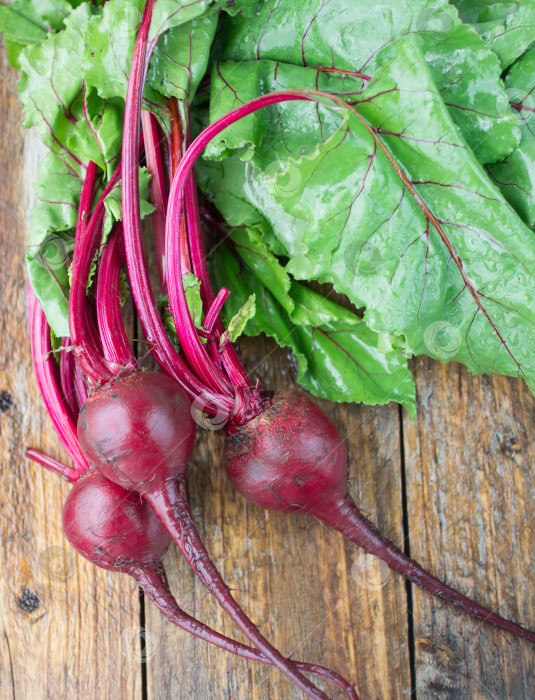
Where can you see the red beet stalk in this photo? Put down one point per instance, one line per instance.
(110, 322)
(162, 348)
(47, 375)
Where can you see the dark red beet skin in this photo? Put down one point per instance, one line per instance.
(292, 458)
(112, 527)
(136, 426)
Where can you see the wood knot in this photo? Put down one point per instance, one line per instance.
(509, 445)
(27, 601)
(6, 401)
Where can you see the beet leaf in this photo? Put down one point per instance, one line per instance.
(508, 28)
(389, 205)
(515, 176)
(338, 357)
(465, 71)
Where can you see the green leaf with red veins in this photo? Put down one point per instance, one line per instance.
(227, 184)
(50, 87)
(99, 136)
(180, 57)
(507, 27)
(349, 35)
(109, 43)
(25, 22)
(51, 241)
(54, 100)
(394, 210)
(338, 357)
(515, 176)
(168, 14)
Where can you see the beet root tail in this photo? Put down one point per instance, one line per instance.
(348, 520)
(171, 506)
(153, 582)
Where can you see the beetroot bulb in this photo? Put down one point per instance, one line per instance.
(138, 432)
(281, 451)
(291, 458)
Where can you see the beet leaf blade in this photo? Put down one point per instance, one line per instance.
(508, 28)
(393, 181)
(515, 176)
(338, 357)
(465, 70)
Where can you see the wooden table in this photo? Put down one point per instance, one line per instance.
(456, 487)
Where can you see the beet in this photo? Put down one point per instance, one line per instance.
(289, 458)
(135, 426)
(292, 458)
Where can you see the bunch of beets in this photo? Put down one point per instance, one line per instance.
(131, 433)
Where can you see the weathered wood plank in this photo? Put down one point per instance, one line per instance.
(471, 504)
(61, 619)
(308, 590)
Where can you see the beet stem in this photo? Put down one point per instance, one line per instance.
(176, 147)
(198, 357)
(46, 373)
(155, 333)
(231, 362)
(84, 208)
(83, 219)
(158, 193)
(153, 582)
(80, 388)
(66, 373)
(176, 141)
(214, 309)
(85, 339)
(110, 322)
(192, 255)
(347, 519)
(171, 506)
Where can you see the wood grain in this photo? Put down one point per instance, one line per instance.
(61, 619)
(471, 504)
